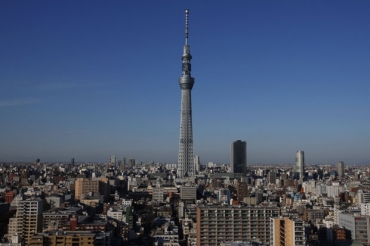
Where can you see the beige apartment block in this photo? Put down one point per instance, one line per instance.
(96, 186)
(287, 232)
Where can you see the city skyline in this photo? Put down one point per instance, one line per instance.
(93, 80)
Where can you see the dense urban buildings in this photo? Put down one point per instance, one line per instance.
(101, 204)
(186, 157)
(238, 159)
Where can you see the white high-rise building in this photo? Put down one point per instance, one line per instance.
(337, 211)
(112, 159)
(362, 197)
(299, 163)
(197, 163)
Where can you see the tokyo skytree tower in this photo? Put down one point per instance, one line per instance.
(185, 165)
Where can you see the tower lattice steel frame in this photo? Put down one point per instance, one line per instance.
(186, 157)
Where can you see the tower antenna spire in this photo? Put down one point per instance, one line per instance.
(186, 26)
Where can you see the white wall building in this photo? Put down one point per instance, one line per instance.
(115, 214)
(365, 208)
(363, 197)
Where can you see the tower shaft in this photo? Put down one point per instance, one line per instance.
(186, 156)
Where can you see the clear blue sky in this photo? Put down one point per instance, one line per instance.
(90, 79)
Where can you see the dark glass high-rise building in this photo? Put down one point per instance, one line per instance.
(341, 169)
(238, 160)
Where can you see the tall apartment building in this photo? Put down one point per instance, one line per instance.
(238, 158)
(84, 186)
(123, 161)
(131, 163)
(272, 177)
(287, 232)
(27, 220)
(216, 224)
(337, 211)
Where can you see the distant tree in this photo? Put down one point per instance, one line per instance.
(4, 221)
